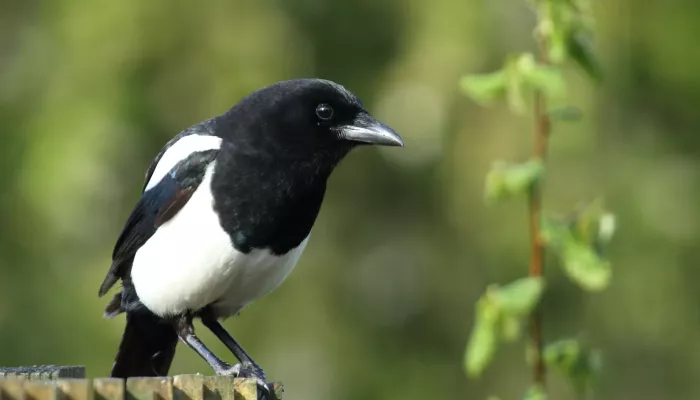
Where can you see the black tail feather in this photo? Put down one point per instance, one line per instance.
(147, 347)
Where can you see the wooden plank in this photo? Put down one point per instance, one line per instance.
(198, 387)
(11, 389)
(151, 388)
(219, 388)
(44, 372)
(188, 387)
(40, 390)
(245, 389)
(108, 389)
(60, 383)
(74, 389)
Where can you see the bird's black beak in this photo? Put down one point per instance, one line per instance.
(366, 129)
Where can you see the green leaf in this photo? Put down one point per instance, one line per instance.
(510, 328)
(583, 265)
(606, 228)
(585, 221)
(557, 17)
(582, 261)
(535, 393)
(499, 315)
(557, 51)
(519, 297)
(483, 339)
(582, 54)
(525, 63)
(554, 233)
(519, 74)
(594, 226)
(578, 363)
(515, 85)
(484, 88)
(547, 79)
(506, 180)
(565, 27)
(579, 242)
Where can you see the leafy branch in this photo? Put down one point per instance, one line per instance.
(562, 35)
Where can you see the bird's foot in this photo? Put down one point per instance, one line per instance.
(249, 370)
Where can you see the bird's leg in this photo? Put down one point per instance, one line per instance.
(244, 369)
(228, 340)
(185, 330)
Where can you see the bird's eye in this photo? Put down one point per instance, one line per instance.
(324, 112)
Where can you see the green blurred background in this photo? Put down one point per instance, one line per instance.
(381, 304)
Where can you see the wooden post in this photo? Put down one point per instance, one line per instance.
(41, 390)
(108, 389)
(159, 388)
(62, 383)
(188, 387)
(75, 389)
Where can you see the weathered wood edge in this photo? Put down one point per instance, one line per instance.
(179, 387)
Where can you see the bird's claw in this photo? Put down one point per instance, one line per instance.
(249, 370)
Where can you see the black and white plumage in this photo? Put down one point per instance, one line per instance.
(226, 211)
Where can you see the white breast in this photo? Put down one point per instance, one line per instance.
(190, 263)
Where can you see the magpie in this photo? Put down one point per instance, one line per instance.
(225, 213)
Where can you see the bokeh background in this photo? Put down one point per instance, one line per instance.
(381, 303)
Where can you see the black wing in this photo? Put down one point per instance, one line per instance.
(156, 206)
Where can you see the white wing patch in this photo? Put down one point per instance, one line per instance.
(179, 151)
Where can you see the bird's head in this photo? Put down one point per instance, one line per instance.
(309, 116)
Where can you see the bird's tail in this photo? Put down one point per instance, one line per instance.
(147, 347)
